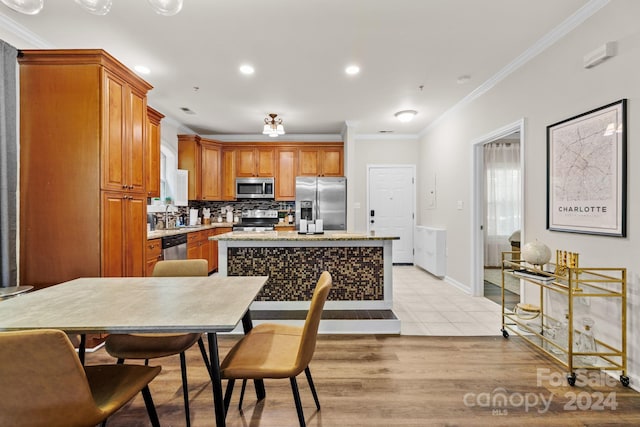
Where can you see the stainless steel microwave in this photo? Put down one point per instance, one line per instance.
(255, 188)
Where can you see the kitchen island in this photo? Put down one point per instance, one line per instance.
(361, 299)
(360, 264)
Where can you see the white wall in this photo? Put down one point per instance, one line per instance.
(551, 87)
(378, 151)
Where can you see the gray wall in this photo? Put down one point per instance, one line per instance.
(551, 87)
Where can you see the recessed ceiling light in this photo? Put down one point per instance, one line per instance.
(352, 70)
(142, 69)
(406, 115)
(247, 69)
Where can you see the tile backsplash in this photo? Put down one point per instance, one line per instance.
(175, 212)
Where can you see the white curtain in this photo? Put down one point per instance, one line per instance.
(8, 165)
(502, 198)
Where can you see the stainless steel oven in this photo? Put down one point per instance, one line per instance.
(257, 220)
(255, 188)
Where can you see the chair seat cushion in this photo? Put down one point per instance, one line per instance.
(267, 351)
(148, 346)
(113, 386)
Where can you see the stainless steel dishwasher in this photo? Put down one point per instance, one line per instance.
(174, 247)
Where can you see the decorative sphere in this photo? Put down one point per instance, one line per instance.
(536, 253)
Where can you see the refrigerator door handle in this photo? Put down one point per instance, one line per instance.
(316, 208)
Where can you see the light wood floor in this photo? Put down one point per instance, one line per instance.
(400, 381)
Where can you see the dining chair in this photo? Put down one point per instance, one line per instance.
(43, 383)
(278, 351)
(155, 345)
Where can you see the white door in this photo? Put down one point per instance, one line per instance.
(391, 202)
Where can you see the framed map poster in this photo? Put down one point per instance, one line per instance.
(586, 172)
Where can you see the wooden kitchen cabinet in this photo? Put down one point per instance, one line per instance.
(321, 161)
(124, 234)
(198, 245)
(283, 161)
(211, 177)
(255, 161)
(228, 169)
(153, 254)
(286, 171)
(83, 128)
(152, 152)
(201, 158)
(123, 157)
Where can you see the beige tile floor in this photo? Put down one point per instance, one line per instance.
(430, 306)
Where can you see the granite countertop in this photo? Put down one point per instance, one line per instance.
(156, 234)
(295, 236)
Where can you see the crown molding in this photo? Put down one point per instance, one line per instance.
(24, 34)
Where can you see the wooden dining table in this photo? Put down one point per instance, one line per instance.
(141, 304)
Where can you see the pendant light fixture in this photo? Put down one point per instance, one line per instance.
(273, 126)
(97, 7)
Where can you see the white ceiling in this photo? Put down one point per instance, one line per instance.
(411, 53)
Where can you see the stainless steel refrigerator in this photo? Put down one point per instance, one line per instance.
(322, 198)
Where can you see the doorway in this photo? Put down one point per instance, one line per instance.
(391, 206)
(498, 209)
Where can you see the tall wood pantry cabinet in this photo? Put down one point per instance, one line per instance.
(83, 170)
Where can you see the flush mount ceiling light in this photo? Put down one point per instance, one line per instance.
(273, 126)
(247, 69)
(141, 69)
(97, 7)
(406, 115)
(352, 70)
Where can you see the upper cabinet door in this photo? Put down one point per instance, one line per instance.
(252, 161)
(245, 161)
(211, 177)
(321, 161)
(114, 142)
(309, 162)
(332, 162)
(265, 162)
(152, 152)
(136, 142)
(228, 166)
(123, 160)
(286, 167)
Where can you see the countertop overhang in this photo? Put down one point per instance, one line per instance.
(272, 236)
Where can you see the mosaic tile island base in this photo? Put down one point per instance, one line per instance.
(360, 264)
